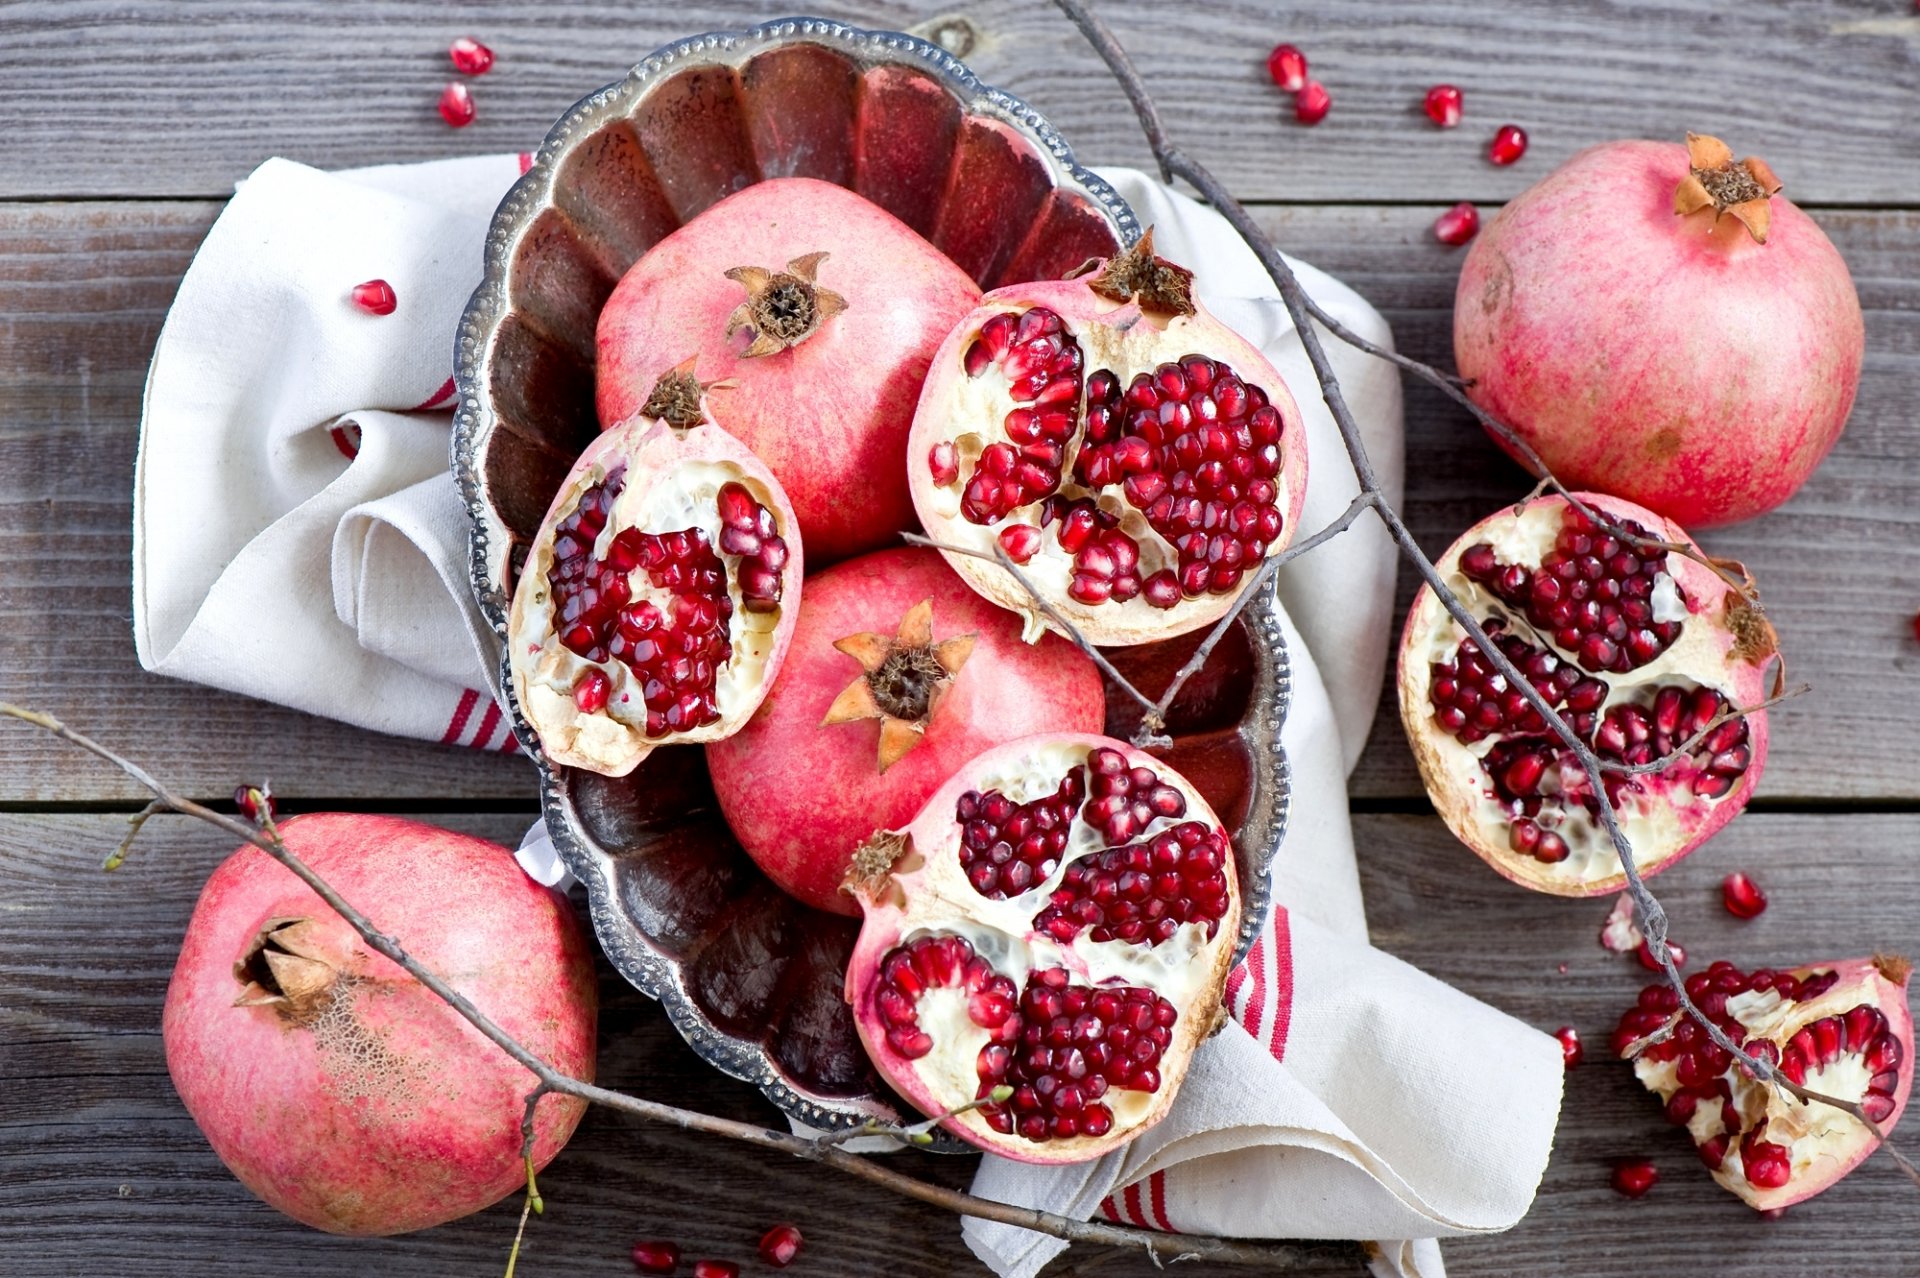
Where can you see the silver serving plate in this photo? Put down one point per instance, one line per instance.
(751, 978)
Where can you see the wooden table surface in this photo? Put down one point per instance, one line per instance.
(126, 124)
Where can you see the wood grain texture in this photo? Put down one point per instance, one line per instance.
(105, 98)
(102, 1172)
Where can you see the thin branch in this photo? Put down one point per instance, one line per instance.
(1688, 746)
(119, 854)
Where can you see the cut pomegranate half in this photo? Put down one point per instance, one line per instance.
(1059, 919)
(656, 604)
(1842, 1029)
(1136, 455)
(1645, 652)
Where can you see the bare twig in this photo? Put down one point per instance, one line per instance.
(1688, 746)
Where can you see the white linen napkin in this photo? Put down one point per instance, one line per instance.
(297, 538)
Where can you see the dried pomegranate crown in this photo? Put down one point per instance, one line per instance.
(1742, 191)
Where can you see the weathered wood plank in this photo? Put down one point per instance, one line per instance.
(100, 1170)
(104, 98)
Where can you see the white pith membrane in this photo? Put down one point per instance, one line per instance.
(1126, 346)
(929, 896)
(1453, 768)
(660, 494)
(1822, 1142)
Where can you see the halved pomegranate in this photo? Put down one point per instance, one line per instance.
(1138, 457)
(1640, 648)
(657, 602)
(1842, 1029)
(1059, 919)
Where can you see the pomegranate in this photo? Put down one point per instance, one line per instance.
(1138, 456)
(334, 1085)
(656, 603)
(1641, 649)
(1841, 1029)
(1654, 322)
(1059, 920)
(823, 310)
(897, 675)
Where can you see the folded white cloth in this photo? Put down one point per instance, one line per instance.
(297, 538)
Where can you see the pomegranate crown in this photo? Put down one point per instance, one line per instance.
(676, 397)
(1742, 191)
(1159, 286)
(902, 677)
(783, 308)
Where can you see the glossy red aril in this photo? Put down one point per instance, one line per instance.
(1058, 920)
(1457, 225)
(1158, 454)
(375, 297)
(1676, 951)
(656, 1256)
(1443, 104)
(1742, 896)
(1572, 1051)
(779, 1245)
(470, 57)
(249, 798)
(715, 1269)
(1633, 1178)
(1311, 104)
(1288, 67)
(1842, 1029)
(1646, 652)
(456, 104)
(1508, 145)
(656, 603)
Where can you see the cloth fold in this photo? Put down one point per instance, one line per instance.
(297, 538)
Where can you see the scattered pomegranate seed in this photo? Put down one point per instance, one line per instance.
(656, 1256)
(1742, 896)
(1645, 955)
(1634, 1179)
(456, 105)
(1457, 225)
(780, 1245)
(243, 799)
(715, 1269)
(1571, 1049)
(1563, 969)
(1916, 616)
(1288, 67)
(470, 57)
(375, 297)
(1313, 103)
(1443, 105)
(1508, 145)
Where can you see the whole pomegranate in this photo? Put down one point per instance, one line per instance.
(1842, 1029)
(1058, 920)
(1138, 457)
(335, 1086)
(1645, 651)
(897, 675)
(656, 603)
(821, 310)
(1655, 323)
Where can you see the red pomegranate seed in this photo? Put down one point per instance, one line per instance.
(1312, 103)
(470, 57)
(1457, 225)
(656, 1256)
(1742, 896)
(1916, 616)
(943, 462)
(1634, 1179)
(1443, 105)
(243, 800)
(1674, 948)
(1033, 836)
(1020, 541)
(456, 105)
(1508, 145)
(779, 1245)
(375, 297)
(590, 691)
(715, 1269)
(1571, 1050)
(1288, 67)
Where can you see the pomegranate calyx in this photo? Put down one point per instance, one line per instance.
(783, 308)
(1894, 967)
(676, 397)
(286, 967)
(1162, 289)
(902, 678)
(870, 877)
(1739, 190)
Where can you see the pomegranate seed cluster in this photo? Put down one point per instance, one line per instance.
(1144, 891)
(1008, 847)
(674, 653)
(1042, 363)
(1076, 1042)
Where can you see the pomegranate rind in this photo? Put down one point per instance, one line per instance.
(926, 893)
(1115, 336)
(1825, 1144)
(652, 453)
(1708, 652)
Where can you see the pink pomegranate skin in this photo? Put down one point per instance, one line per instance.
(829, 415)
(801, 797)
(374, 1108)
(1670, 360)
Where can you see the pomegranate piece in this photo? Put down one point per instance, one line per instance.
(1311, 104)
(1288, 67)
(1508, 145)
(470, 57)
(656, 603)
(779, 1245)
(1572, 1051)
(1457, 225)
(1841, 1029)
(456, 105)
(1144, 487)
(1742, 896)
(1633, 1178)
(375, 297)
(656, 1256)
(1620, 933)
(1645, 652)
(1086, 992)
(1443, 105)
